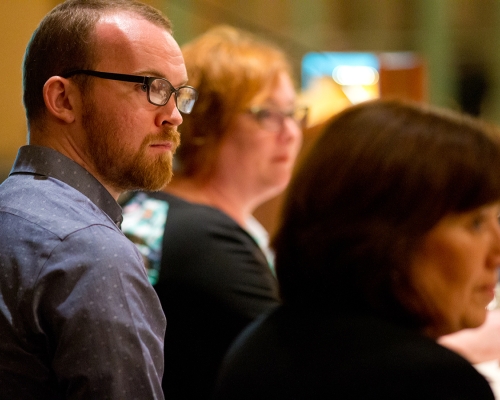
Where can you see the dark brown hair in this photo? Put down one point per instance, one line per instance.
(382, 174)
(64, 41)
(231, 69)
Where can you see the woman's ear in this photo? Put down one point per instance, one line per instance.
(60, 97)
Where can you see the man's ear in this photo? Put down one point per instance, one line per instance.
(61, 97)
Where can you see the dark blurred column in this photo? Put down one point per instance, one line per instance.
(472, 87)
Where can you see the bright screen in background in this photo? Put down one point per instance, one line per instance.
(355, 73)
(332, 81)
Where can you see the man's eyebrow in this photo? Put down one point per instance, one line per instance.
(156, 74)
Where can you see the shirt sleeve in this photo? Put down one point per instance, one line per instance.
(101, 318)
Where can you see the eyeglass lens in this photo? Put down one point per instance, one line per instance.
(160, 91)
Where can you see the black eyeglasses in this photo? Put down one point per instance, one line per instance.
(272, 120)
(158, 90)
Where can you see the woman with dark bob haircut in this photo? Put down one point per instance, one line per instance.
(389, 239)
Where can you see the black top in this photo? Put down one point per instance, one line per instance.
(213, 280)
(309, 354)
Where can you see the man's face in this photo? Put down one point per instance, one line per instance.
(129, 142)
(123, 166)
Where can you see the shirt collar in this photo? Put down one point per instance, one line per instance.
(44, 161)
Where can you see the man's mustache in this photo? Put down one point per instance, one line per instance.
(170, 134)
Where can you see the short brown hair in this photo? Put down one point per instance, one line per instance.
(379, 178)
(64, 42)
(229, 68)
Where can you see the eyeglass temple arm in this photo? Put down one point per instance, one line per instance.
(109, 75)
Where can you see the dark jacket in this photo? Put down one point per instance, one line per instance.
(310, 354)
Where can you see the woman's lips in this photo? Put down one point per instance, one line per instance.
(488, 290)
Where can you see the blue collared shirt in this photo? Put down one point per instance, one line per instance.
(78, 317)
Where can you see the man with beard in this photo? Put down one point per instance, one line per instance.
(104, 85)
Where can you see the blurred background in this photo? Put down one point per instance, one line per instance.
(445, 52)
